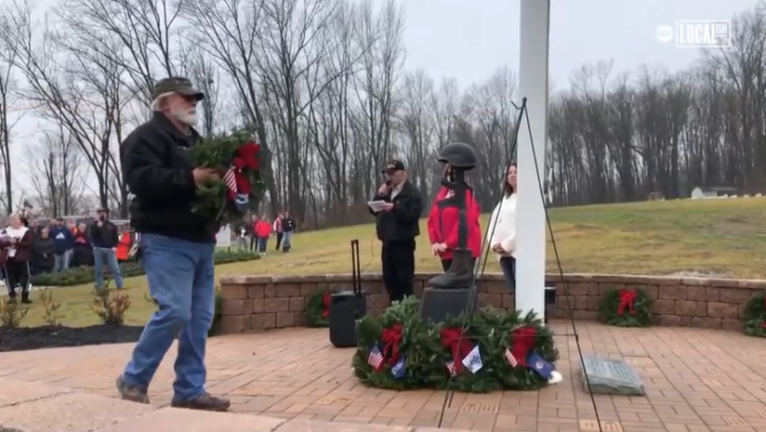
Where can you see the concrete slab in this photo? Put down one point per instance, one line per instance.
(323, 426)
(179, 420)
(14, 392)
(74, 412)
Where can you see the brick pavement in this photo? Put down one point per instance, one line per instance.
(697, 380)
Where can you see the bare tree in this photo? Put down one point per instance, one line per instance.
(57, 174)
(7, 89)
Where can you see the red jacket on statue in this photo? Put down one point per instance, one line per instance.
(442, 224)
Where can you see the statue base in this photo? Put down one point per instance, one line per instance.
(437, 303)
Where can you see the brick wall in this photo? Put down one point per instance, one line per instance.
(265, 302)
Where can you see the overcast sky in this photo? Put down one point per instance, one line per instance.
(469, 40)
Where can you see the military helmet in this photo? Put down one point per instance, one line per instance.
(458, 155)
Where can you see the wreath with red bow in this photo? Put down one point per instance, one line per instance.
(318, 309)
(754, 316)
(626, 308)
(238, 159)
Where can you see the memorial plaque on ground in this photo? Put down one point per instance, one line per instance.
(613, 377)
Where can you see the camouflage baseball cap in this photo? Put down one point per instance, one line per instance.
(176, 84)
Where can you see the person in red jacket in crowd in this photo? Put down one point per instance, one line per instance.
(442, 227)
(263, 231)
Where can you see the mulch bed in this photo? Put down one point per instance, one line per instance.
(31, 338)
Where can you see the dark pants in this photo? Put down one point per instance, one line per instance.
(447, 263)
(398, 260)
(253, 243)
(262, 243)
(17, 274)
(279, 240)
(508, 266)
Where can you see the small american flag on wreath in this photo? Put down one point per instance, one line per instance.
(450, 365)
(375, 358)
(509, 357)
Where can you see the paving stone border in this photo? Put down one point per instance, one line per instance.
(266, 302)
(26, 406)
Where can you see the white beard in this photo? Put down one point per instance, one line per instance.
(187, 118)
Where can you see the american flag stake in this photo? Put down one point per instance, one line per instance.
(511, 359)
(230, 180)
(451, 368)
(375, 358)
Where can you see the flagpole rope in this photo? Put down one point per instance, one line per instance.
(470, 310)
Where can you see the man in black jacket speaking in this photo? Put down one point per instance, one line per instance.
(176, 247)
(104, 238)
(397, 225)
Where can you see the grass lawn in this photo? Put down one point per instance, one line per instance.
(726, 237)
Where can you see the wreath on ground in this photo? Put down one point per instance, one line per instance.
(626, 308)
(239, 188)
(754, 316)
(399, 350)
(318, 309)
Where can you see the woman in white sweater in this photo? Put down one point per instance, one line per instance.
(503, 238)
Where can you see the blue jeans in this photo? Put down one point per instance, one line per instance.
(106, 257)
(508, 266)
(287, 237)
(181, 279)
(62, 261)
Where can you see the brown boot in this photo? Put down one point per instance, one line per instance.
(204, 402)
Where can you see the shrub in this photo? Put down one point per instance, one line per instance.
(51, 307)
(110, 305)
(11, 313)
(84, 275)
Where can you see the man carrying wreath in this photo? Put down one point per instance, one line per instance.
(176, 247)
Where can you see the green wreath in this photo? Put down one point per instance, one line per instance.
(426, 349)
(418, 347)
(239, 188)
(626, 308)
(456, 347)
(754, 316)
(517, 337)
(318, 309)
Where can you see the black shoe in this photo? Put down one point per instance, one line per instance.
(460, 273)
(204, 402)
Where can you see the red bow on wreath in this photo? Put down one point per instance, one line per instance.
(449, 340)
(522, 340)
(391, 337)
(245, 158)
(627, 297)
(325, 305)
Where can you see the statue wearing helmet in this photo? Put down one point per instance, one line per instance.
(459, 157)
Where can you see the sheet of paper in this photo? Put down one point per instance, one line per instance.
(376, 206)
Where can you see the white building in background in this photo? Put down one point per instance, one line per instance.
(713, 192)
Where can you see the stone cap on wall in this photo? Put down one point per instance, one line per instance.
(551, 278)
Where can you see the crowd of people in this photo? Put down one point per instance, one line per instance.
(398, 223)
(29, 247)
(253, 234)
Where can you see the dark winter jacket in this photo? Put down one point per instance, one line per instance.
(402, 223)
(159, 174)
(42, 252)
(104, 236)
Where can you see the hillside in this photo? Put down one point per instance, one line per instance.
(724, 237)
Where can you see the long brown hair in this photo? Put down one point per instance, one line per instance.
(507, 187)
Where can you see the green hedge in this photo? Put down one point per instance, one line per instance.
(84, 275)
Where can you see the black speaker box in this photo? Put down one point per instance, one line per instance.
(437, 303)
(345, 308)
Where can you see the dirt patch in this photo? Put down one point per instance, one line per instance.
(31, 338)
